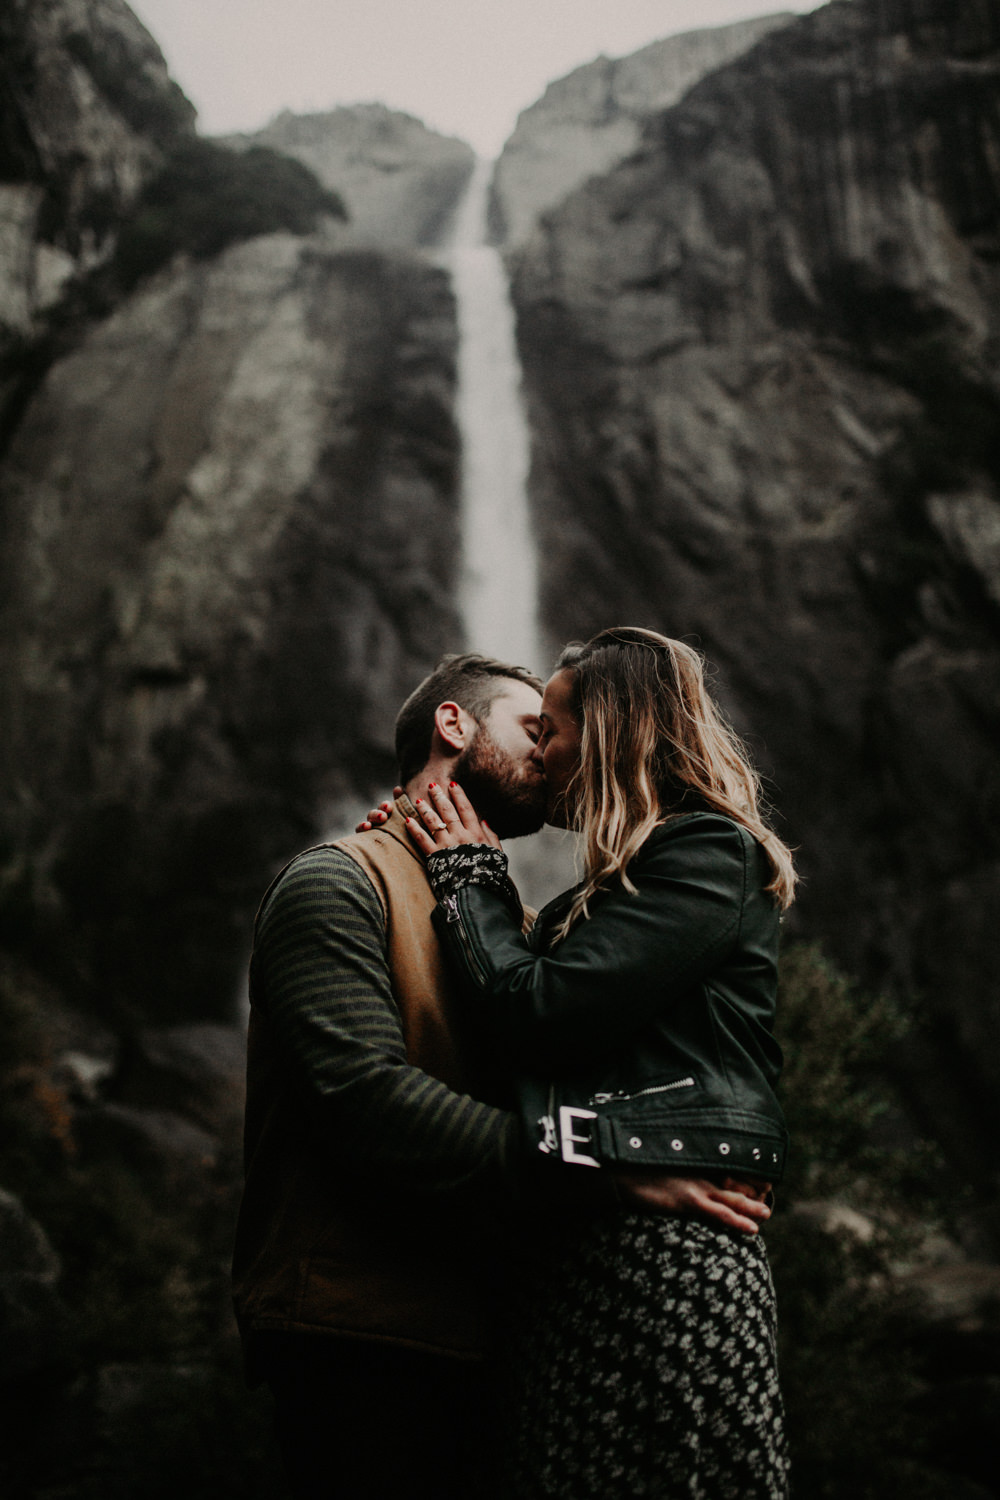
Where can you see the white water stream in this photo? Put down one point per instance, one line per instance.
(499, 583)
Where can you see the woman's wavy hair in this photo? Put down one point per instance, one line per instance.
(653, 745)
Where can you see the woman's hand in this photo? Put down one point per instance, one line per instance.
(449, 819)
(378, 815)
(736, 1204)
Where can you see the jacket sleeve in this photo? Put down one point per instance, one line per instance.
(616, 970)
(320, 977)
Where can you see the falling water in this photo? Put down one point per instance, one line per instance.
(499, 572)
(499, 575)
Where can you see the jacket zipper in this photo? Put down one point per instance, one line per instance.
(656, 1088)
(455, 916)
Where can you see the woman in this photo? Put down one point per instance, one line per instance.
(637, 1017)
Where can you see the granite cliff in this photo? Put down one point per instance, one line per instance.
(593, 118)
(217, 499)
(761, 363)
(219, 581)
(87, 111)
(399, 180)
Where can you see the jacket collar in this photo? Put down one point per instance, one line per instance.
(395, 826)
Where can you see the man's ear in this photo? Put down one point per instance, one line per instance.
(453, 728)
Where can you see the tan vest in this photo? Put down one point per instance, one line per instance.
(314, 1250)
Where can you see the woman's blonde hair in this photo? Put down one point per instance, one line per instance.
(653, 745)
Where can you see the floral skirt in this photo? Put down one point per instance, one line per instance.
(643, 1363)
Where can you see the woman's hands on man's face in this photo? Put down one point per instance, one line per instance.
(447, 820)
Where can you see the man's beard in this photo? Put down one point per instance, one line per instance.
(510, 801)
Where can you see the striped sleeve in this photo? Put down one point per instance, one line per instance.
(320, 973)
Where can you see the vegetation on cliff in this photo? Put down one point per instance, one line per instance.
(207, 197)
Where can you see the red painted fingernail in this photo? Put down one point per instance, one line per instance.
(453, 783)
(431, 785)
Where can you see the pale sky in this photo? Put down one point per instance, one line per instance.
(465, 67)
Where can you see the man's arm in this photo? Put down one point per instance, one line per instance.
(320, 975)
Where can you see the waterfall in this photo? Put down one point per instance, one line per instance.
(499, 582)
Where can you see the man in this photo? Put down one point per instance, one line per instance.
(377, 1174)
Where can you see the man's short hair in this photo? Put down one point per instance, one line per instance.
(471, 681)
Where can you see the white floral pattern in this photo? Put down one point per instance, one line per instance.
(643, 1364)
(448, 870)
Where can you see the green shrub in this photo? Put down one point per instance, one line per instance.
(835, 1040)
(845, 1322)
(151, 104)
(207, 197)
(145, 1286)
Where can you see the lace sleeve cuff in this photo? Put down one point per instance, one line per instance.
(471, 864)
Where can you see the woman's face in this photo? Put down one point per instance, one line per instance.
(558, 748)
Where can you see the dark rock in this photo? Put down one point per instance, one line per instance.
(196, 1071)
(961, 1421)
(24, 1246)
(125, 1392)
(589, 121)
(965, 1295)
(223, 516)
(81, 1075)
(151, 1140)
(32, 1317)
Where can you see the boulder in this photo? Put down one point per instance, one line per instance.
(32, 1318)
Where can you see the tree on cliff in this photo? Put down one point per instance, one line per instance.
(207, 197)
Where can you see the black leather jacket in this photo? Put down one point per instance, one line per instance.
(645, 1036)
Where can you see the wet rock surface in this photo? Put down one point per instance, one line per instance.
(589, 121)
(221, 577)
(87, 110)
(30, 1310)
(399, 181)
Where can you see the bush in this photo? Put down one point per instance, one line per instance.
(845, 1321)
(207, 197)
(150, 103)
(140, 1389)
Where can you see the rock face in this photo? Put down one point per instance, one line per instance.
(221, 578)
(86, 111)
(399, 180)
(30, 1313)
(589, 121)
(761, 367)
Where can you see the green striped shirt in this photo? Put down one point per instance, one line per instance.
(320, 975)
